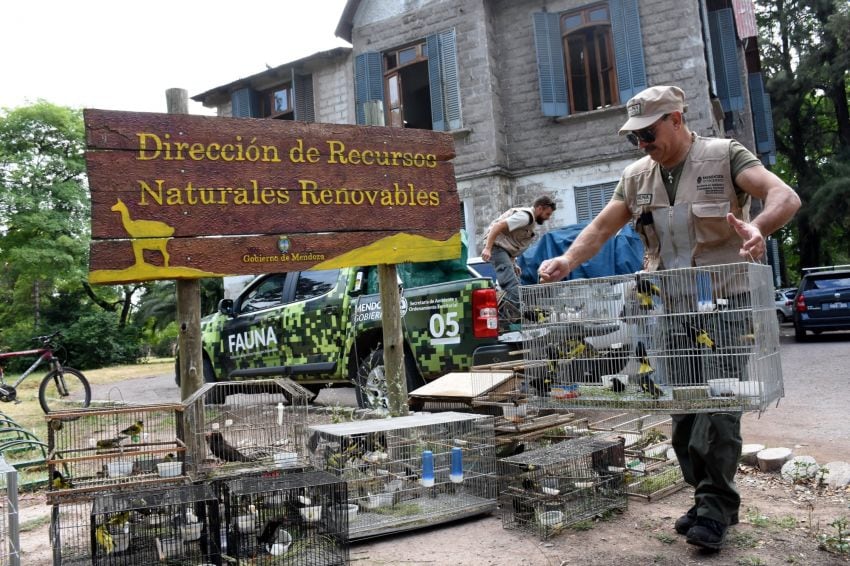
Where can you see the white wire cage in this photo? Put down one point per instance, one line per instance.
(410, 472)
(686, 340)
(10, 544)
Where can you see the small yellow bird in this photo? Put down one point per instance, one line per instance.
(119, 519)
(110, 442)
(701, 337)
(134, 429)
(104, 539)
(645, 290)
(59, 481)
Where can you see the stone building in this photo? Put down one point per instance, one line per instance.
(532, 91)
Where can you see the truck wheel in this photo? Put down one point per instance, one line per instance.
(371, 383)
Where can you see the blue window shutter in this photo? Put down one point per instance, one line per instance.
(762, 121)
(368, 82)
(302, 92)
(724, 47)
(244, 103)
(551, 73)
(443, 80)
(628, 48)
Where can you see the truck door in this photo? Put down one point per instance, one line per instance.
(314, 322)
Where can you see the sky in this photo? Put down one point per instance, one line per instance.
(119, 55)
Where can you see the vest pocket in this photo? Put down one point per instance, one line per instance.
(710, 225)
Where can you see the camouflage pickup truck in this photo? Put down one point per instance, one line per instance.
(324, 327)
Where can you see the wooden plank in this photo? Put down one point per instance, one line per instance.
(463, 385)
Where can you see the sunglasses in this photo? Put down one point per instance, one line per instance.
(646, 135)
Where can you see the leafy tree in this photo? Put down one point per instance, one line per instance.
(804, 53)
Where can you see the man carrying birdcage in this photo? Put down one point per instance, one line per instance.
(689, 199)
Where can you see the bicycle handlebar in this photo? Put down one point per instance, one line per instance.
(47, 338)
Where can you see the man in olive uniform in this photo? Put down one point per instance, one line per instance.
(510, 235)
(689, 200)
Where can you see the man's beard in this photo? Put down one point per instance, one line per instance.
(539, 219)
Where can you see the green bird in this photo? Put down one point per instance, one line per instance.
(134, 429)
(104, 539)
(109, 442)
(59, 481)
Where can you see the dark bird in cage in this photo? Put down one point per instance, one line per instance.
(269, 533)
(134, 429)
(55, 424)
(108, 443)
(647, 385)
(104, 539)
(510, 449)
(59, 481)
(645, 290)
(224, 451)
(529, 484)
(617, 386)
(700, 337)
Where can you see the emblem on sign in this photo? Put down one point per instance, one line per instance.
(283, 244)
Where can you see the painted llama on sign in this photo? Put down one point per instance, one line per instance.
(146, 234)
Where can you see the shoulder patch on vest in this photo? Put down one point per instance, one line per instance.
(644, 199)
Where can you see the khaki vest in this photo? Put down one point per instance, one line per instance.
(516, 241)
(694, 231)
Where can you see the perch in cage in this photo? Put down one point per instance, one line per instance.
(684, 340)
(115, 447)
(409, 472)
(245, 425)
(297, 518)
(549, 489)
(175, 524)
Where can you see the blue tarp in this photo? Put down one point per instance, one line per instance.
(620, 255)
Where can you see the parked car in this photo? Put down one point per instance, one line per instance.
(784, 305)
(822, 302)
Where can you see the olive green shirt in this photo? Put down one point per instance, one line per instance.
(740, 158)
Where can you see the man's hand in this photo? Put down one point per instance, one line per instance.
(485, 254)
(553, 269)
(753, 246)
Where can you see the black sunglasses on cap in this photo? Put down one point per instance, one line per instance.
(646, 135)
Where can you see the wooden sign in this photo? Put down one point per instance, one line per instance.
(184, 197)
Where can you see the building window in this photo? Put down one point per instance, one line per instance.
(591, 199)
(589, 54)
(277, 103)
(590, 57)
(413, 86)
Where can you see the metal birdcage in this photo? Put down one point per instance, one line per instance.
(10, 547)
(683, 340)
(70, 533)
(179, 524)
(410, 472)
(298, 519)
(114, 448)
(239, 426)
(548, 489)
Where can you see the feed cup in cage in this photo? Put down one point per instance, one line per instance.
(515, 412)
(349, 509)
(749, 388)
(169, 469)
(169, 547)
(191, 532)
(311, 514)
(549, 486)
(118, 469)
(120, 541)
(378, 500)
(609, 383)
(282, 542)
(285, 459)
(551, 519)
(723, 387)
(246, 523)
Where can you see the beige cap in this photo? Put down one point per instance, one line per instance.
(650, 104)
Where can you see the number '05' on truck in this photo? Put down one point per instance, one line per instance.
(324, 327)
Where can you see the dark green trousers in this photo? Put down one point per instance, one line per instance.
(708, 446)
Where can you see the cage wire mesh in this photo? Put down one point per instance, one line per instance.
(114, 448)
(10, 544)
(682, 340)
(410, 472)
(298, 518)
(178, 524)
(548, 489)
(70, 531)
(245, 425)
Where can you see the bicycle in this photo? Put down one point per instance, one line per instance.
(63, 387)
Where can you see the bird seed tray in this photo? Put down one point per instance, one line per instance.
(691, 340)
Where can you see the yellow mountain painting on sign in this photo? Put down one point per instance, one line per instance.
(399, 248)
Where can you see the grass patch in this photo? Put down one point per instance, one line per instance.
(585, 525)
(34, 524)
(665, 538)
(750, 561)
(743, 540)
(757, 519)
(836, 541)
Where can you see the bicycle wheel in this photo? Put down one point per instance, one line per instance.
(64, 389)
